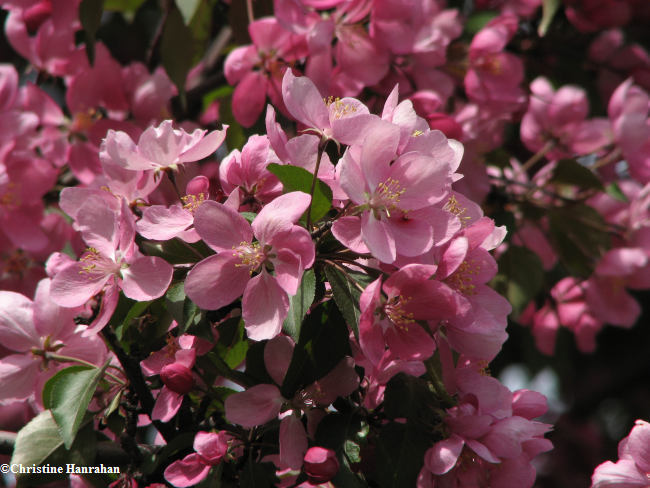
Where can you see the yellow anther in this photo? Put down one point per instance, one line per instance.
(340, 109)
(394, 310)
(250, 255)
(192, 202)
(454, 207)
(463, 278)
(417, 133)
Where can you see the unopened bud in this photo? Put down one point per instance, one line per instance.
(320, 464)
(177, 378)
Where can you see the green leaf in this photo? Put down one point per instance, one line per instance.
(323, 343)
(520, 277)
(294, 178)
(571, 172)
(188, 8)
(222, 92)
(341, 433)
(233, 345)
(409, 397)
(68, 396)
(174, 251)
(124, 6)
(134, 312)
(346, 295)
(580, 237)
(549, 8)
(257, 475)
(90, 15)
(177, 50)
(299, 304)
(400, 455)
(477, 21)
(39, 442)
(614, 191)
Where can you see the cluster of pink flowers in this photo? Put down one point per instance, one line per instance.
(322, 267)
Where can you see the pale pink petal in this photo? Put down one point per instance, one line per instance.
(638, 445)
(412, 237)
(280, 215)
(623, 474)
(189, 471)
(378, 238)
(211, 446)
(443, 455)
(348, 231)
(264, 307)
(18, 377)
(163, 223)
(146, 278)
(221, 227)
(217, 281)
(204, 147)
(340, 382)
(17, 331)
(304, 102)
(74, 286)
(255, 406)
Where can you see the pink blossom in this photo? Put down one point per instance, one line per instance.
(320, 464)
(393, 194)
(210, 449)
(162, 147)
(633, 467)
(288, 248)
(32, 330)
(111, 262)
(344, 120)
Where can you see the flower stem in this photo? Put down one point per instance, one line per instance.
(68, 359)
(321, 149)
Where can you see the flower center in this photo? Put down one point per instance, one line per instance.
(386, 197)
(337, 108)
(453, 206)
(250, 254)
(192, 202)
(93, 262)
(462, 279)
(394, 310)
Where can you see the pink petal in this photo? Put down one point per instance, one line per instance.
(217, 281)
(255, 406)
(167, 404)
(146, 278)
(73, 286)
(162, 223)
(212, 447)
(303, 101)
(189, 471)
(443, 455)
(18, 376)
(378, 238)
(17, 331)
(293, 442)
(221, 227)
(280, 215)
(205, 147)
(264, 307)
(249, 98)
(277, 357)
(348, 232)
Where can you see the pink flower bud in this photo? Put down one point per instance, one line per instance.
(35, 15)
(320, 464)
(177, 378)
(447, 125)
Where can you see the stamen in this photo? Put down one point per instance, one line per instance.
(452, 206)
(340, 109)
(394, 310)
(250, 254)
(192, 202)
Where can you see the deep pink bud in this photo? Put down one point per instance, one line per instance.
(320, 464)
(447, 125)
(177, 378)
(197, 185)
(35, 15)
